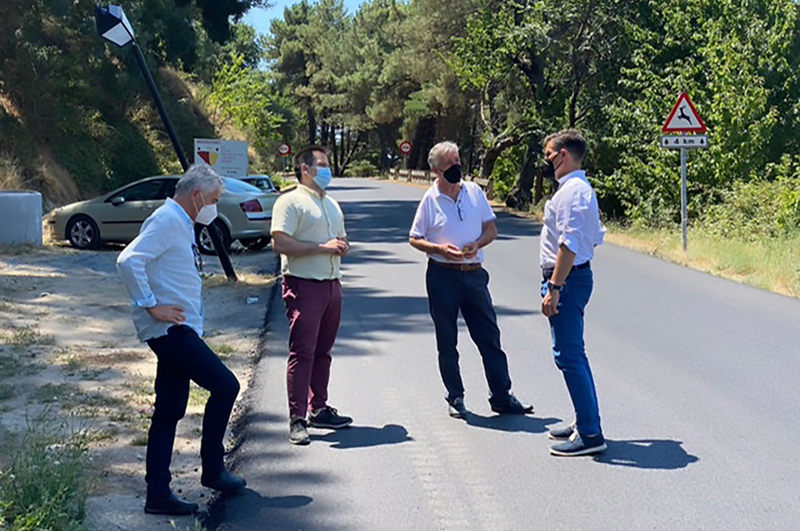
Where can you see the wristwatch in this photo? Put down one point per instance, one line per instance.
(553, 287)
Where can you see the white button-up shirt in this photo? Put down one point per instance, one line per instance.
(571, 218)
(439, 219)
(159, 267)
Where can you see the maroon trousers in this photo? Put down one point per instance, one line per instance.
(314, 309)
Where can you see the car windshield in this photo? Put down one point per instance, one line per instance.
(239, 187)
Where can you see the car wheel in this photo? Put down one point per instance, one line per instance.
(256, 244)
(82, 233)
(204, 241)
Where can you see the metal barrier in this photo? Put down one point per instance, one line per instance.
(427, 177)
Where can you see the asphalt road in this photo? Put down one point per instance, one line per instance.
(697, 379)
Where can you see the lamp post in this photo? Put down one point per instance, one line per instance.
(114, 26)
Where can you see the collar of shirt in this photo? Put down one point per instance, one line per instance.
(437, 193)
(576, 173)
(184, 215)
(311, 191)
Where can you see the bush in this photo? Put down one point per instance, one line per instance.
(361, 168)
(757, 209)
(45, 487)
(506, 170)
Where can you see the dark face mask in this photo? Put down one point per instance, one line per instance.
(548, 169)
(453, 174)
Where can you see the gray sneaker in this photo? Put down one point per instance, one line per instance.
(579, 445)
(298, 432)
(561, 434)
(457, 409)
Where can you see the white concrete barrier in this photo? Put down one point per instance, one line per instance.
(20, 217)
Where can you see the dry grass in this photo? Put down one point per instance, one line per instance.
(771, 264)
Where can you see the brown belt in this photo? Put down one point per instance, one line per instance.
(460, 267)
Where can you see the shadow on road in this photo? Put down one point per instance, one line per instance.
(655, 454)
(364, 436)
(249, 505)
(511, 423)
(511, 227)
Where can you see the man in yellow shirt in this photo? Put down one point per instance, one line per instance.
(308, 232)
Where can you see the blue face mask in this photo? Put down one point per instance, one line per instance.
(324, 177)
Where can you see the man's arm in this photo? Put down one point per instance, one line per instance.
(488, 235)
(290, 246)
(132, 267)
(447, 250)
(564, 261)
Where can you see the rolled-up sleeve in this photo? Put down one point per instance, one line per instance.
(419, 228)
(132, 262)
(572, 223)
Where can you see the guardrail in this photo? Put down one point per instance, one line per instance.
(427, 177)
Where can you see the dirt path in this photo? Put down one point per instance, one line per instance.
(68, 350)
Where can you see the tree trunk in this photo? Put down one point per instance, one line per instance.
(335, 152)
(323, 136)
(312, 125)
(520, 195)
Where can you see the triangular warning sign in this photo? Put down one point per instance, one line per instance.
(684, 118)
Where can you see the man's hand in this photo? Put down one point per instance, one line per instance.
(451, 252)
(335, 246)
(168, 313)
(550, 303)
(347, 246)
(470, 250)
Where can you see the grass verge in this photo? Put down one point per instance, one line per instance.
(45, 486)
(769, 263)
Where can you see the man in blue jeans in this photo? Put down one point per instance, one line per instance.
(570, 233)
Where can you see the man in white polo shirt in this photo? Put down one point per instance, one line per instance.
(570, 233)
(454, 221)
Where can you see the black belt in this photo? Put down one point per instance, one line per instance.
(548, 271)
(452, 265)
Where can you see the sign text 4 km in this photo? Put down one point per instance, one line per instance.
(684, 118)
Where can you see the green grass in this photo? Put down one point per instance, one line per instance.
(15, 366)
(51, 393)
(197, 395)
(45, 486)
(223, 350)
(768, 263)
(25, 336)
(140, 440)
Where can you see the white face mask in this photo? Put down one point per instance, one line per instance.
(207, 214)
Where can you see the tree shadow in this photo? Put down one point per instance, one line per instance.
(365, 436)
(511, 227)
(654, 454)
(511, 423)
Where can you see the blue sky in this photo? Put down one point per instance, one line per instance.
(259, 18)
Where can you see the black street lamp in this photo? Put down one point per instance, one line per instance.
(113, 26)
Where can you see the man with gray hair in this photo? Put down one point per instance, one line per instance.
(454, 221)
(161, 271)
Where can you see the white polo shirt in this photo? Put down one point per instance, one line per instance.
(440, 219)
(571, 218)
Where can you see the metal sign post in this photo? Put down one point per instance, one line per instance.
(113, 26)
(684, 118)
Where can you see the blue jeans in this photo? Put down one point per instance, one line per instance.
(449, 291)
(566, 329)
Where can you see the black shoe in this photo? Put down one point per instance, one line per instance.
(512, 406)
(329, 418)
(170, 505)
(561, 434)
(225, 481)
(298, 433)
(580, 445)
(457, 409)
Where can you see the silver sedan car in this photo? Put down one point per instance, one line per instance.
(245, 214)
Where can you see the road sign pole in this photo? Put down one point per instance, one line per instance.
(684, 199)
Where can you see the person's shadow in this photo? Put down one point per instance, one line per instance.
(249, 504)
(511, 423)
(659, 454)
(364, 436)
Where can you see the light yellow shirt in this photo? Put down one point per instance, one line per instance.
(308, 216)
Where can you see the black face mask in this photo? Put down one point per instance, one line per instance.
(453, 174)
(548, 169)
